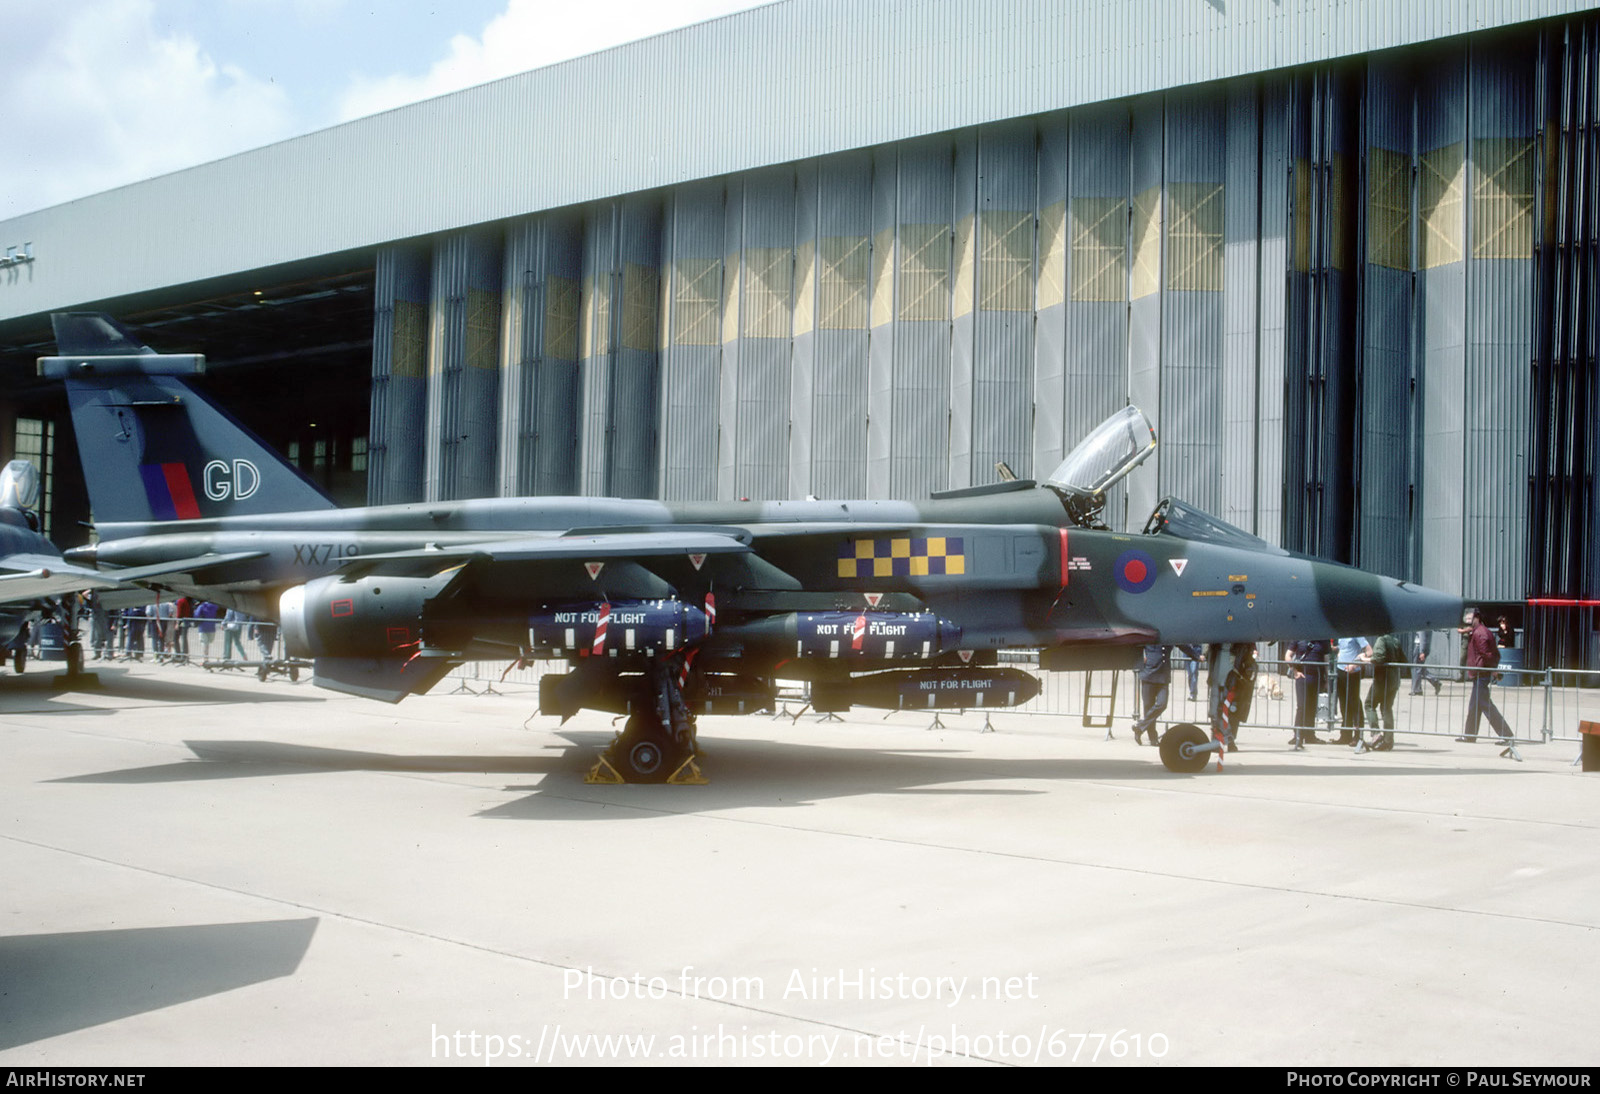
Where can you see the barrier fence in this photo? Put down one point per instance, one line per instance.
(1538, 705)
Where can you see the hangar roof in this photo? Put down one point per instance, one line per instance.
(783, 82)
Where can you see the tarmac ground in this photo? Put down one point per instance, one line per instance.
(199, 868)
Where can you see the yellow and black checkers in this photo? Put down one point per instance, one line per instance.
(902, 556)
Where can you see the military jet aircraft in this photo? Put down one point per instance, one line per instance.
(665, 610)
(33, 576)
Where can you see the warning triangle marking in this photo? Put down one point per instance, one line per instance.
(594, 569)
(873, 599)
(697, 560)
(1178, 565)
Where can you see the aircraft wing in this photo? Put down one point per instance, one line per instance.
(39, 576)
(596, 546)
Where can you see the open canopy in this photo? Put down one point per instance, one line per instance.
(1103, 458)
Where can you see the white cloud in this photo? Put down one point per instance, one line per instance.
(531, 34)
(102, 96)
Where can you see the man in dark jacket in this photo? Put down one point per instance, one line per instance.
(1483, 657)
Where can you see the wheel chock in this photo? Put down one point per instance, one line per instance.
(688, 774)
(603, 773)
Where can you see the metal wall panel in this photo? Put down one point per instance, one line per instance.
(1441, 137)
(599, 332)
(1387, 541)
(692, 355)
(1095, 381)
(539, 413)
(635, 411)
(1242, 288)
(1193, 459)
(923, 196)
(463, 367)
(963, 305)
(1145, 170)
(1001, 407)
(1499, 260)
(399, 375)
(766, 320)
(882, 383)
(836, 418)
(1273, 427)
(1050, 442)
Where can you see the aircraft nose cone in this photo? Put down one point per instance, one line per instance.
(1419, 608)
(1358, 603)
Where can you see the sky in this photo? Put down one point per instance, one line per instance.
(101, 93)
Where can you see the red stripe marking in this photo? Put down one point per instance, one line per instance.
(182, 491)
(1064, 570)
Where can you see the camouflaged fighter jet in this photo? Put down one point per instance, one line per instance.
(665, 610)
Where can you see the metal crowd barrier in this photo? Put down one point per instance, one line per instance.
(1538, 705)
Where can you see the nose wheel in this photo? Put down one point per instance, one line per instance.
(1185, 748)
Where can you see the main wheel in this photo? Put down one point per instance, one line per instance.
(1178, 745)
(74, 658)
(19, 659)
(646, 753)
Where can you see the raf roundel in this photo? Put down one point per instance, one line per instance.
(1135, 571)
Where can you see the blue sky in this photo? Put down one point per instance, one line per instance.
(101, 93)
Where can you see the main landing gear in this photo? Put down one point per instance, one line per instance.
(657, 744)
(647, 752)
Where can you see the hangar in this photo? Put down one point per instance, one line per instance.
(1342, 253)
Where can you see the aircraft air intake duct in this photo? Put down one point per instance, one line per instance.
(370, 617)
(927, 689)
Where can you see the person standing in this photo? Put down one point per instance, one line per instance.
(206, 615)
(1388, 654)
(1353, 656)
(1155, 682)
(232, 638)
(1195, 655)
(1308, 665)
(1483, 657)
(1421, 647)
(182, 613)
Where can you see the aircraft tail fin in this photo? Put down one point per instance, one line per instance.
(155, 449)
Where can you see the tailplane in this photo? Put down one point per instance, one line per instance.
(155, 449)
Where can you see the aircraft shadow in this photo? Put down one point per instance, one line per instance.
(52, 984)
(258, 759)
(119, 684)
(741, 772)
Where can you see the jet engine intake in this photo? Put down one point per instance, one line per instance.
(373, 616)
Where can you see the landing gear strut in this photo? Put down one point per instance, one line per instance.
(657, 744)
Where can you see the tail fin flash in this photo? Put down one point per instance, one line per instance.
(155, 449)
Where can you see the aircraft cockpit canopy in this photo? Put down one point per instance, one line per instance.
(1101, 460)
(19, 485)
(1178, 518)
